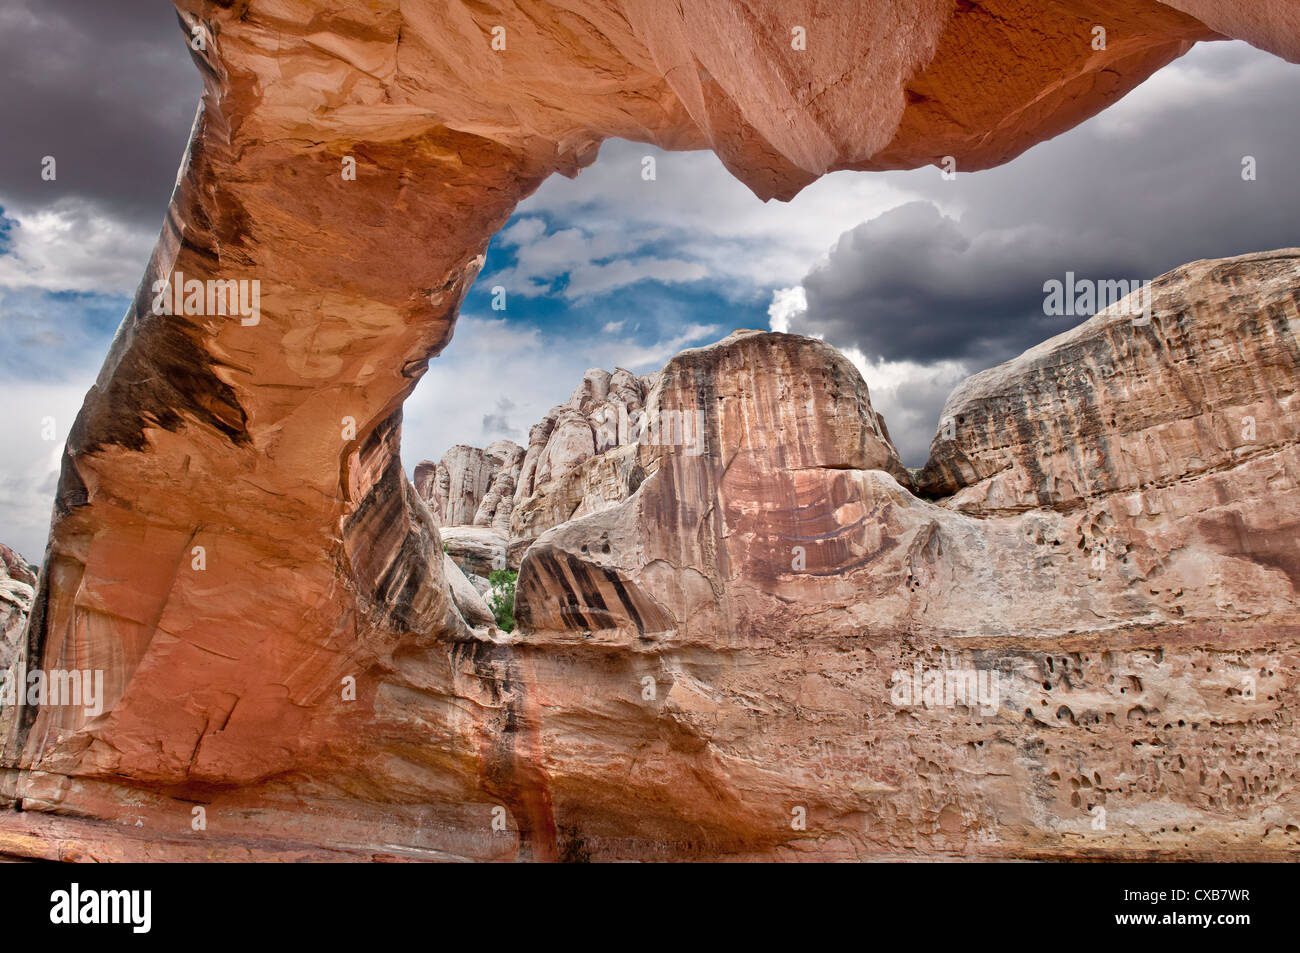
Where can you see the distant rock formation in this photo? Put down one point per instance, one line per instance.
(17, 583)
(578, 458)
(471, 486)
(1116, 557)
(591, 453)
(1130, 404)
(581, 458)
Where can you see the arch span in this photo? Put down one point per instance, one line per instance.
(234, 537)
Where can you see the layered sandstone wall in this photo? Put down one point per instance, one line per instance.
(472, 486)
(760, 617)
(758, 611)
(1203, 383)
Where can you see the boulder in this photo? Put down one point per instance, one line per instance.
(477, 550)
(468, 599)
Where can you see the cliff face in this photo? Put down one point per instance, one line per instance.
(17, 578)
(780, 622)
(582, 457)
(807, 657)
(471, 486)
(593, 452)
(1125, 402)
(288, 648)
(569, 469)
(781, 422)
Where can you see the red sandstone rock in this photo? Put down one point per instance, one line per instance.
(235, 543)
(14, 566)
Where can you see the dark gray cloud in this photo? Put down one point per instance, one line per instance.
(911, 408)
(107, 87)
(1147, 186)
(498, 424)
(913, 284)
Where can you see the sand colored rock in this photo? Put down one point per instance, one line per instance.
(469, 602)
(17, 579)
(14, 566)
(593, 485)
(471, 486)
(1138, 651)
(570, 444)
(580, 459)
(478, 550)
(581, 455)
(1128, 402)
(498, 502)
(286, 647)
(16, 582)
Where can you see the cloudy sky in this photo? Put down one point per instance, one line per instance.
(922, 281)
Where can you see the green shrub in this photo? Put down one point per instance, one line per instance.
(501, 598)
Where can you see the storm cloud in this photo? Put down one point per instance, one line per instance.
(106, 88)
(913, 284)
(1152, 184)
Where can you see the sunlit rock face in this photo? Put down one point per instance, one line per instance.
(1130, 400)
(780, 626)
(760, 496)
(236, 548)
(582, 455)
(470, 486)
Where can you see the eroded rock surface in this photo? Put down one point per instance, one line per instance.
(285, 646)
(761, 607)
(1124, 402)
(470, 486)
(17, 579)
(468, 599)
(478, 550)
(577, 458)
(582, 457)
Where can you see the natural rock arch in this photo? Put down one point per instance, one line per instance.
(317, 559)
